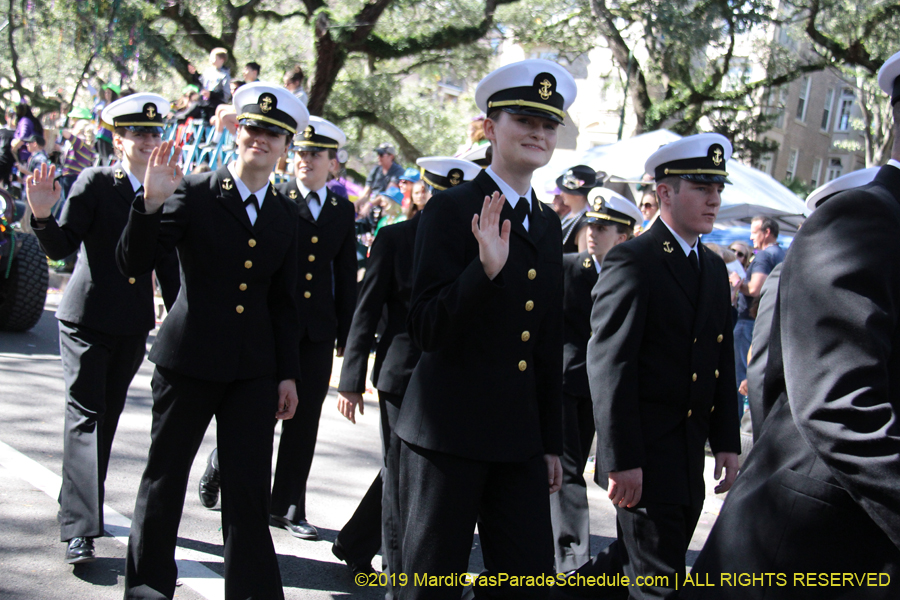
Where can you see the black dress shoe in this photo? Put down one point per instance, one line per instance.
(355, 568)
(209, 483)
(80, 550)
(301, 529)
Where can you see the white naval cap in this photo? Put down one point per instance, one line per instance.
(889, 78)
(270, 107)
(141, 113)
(478, 155)
(319, 135)
(536, 87)
(699, 158)
(442, 172)
(844, 182)
(607, 205)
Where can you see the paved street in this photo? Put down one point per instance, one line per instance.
(31, 556)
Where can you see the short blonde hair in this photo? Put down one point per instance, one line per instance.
(216, 53)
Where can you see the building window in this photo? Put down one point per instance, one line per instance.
(816, 173)
(778, 105)
(802, 103)
(843, 116)
(826, 114)
(792, 164)
(835, 168)
(765, 164)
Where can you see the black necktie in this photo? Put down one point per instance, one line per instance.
(252, 200)
(695, 261)
(312, 197)
(522, 209)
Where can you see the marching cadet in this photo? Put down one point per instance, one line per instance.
(326, 295)
(387, 284)
(481, 420)
(228, 348)
(819, 493)
(609, 222)
(661, 369)
(104, 317)
(574, 186)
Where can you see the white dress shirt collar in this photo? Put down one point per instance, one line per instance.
(894, 163)
(135, 182)
(245, 192)
(512, 196)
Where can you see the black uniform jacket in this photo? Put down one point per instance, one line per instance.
(489, 383)
(326, 288)
(98, 296)
(388, 283)
(661, 366)
(832, 405)
(579, 276)
(236, 315)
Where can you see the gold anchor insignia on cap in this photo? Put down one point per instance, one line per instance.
(455, 177)
(667, 247)
(717, 157)
(544, 92)
(308, 132)
(151, 111)
(292, 194)
(227, 184)
(265, 104)
(119, 174)
(587, 263)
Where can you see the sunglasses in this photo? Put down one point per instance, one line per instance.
(738, 252)
(647, 205)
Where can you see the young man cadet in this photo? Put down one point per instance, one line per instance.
(104, 317)
(610, 221)
(387, 285)
(326, 295)
(481, 418)
(661, 369)
(818, 499)
(228, 348)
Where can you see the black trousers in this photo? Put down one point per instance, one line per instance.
(374, 523)
(298, 435)
(97, 370)
(182, 408)
(442, 497)
(652, 541)
(569, 513)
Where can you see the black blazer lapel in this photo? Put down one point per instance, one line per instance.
(268, 212)
(889, 177)
(230, 198)
(122, 183)
(329, 208)
(299, 199)
(537, 222)
(674, 258)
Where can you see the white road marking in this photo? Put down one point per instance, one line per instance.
(191, 572)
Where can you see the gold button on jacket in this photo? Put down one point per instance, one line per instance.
(529, 305)
(251, 242)
(532, 273)
(717, 373)
(315, 239)
(308, 276)
(523, 365)
(312, 257)
(248, 264)
(239, 309)
(306, 294)
(243, 287)
(526, 336)
(720, 338)
(694, 377)
(131, 280)
(690, 412)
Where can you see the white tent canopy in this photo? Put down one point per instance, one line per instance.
(752, 192)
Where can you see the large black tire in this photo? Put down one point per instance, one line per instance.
(24, 293)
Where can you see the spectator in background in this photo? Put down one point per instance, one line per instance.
(421, 194)
(78, 152)
(391, 201)
(742, 252)
(764, 234)
(36, 144)
(293, 82)
(574, 186)
(214, 83)
(559, 207)
(381, 174)
(649, 205)
(104, 136)
(26, 126)
(474, 136)
(251, 72)
(405, 184)
(226, 116)
(7, 156)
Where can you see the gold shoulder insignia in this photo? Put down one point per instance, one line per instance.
(587, 263)
(119, 174)
(667, 247)
(227, 184)
(292, 194)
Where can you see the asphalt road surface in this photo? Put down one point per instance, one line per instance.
(31, 555)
